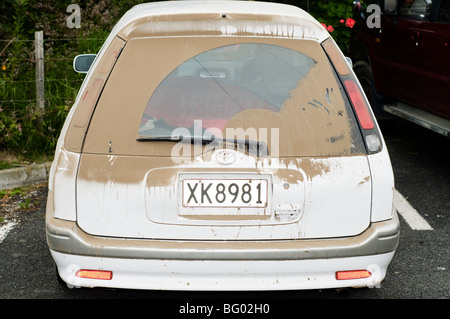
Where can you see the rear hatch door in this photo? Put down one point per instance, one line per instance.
(287, 160)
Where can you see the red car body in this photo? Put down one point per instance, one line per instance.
(409, 55)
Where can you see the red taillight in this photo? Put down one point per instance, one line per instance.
(359, 104)
(352, 274)
(94, 274)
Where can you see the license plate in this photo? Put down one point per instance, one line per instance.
(232, 193)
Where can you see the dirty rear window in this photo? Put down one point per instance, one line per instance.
(283, 93)
(214, 86)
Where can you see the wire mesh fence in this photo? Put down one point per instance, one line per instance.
(17, 69)
(24, 123)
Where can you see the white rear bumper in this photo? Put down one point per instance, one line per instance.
(223, 275)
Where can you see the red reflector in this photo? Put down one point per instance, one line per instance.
(94, 274)
(360, 105)
(352, 274)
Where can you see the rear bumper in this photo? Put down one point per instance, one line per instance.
(204, 265)
(67, 237)
(222, 275)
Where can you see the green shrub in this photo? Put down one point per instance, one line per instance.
(23, 130)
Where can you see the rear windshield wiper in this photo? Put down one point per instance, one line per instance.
(175, 138)
(258, 148)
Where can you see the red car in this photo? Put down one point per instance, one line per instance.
(403, 62)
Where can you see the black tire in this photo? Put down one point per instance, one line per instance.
(364, 73)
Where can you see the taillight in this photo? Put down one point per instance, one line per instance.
(359, 104)
(352, 274)
(94, 274)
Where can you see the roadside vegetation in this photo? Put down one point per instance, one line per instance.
(27, 135)
(14, 202)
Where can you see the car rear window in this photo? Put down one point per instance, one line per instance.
(281, 92)
(218, 84)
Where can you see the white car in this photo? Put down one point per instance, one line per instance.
(220, 146)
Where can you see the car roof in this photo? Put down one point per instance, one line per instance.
(219, 18)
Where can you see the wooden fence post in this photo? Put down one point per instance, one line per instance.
(39, 57)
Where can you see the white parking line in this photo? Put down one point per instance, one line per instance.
(411, 216)
(5, 229)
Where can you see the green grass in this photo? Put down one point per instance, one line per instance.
(13, 192)
(5, 165)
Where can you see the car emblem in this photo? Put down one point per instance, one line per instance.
(225, 157)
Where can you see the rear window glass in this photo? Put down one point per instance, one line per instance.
(283, 93)
(213, 87)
